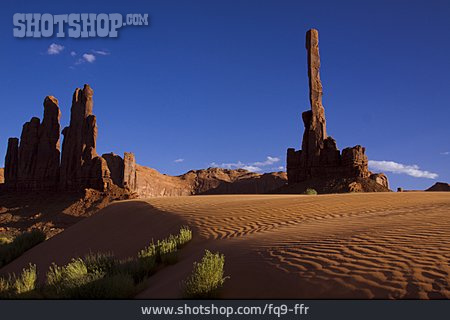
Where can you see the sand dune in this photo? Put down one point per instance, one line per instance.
(385, 245)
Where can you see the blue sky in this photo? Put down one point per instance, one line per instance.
(225, 82)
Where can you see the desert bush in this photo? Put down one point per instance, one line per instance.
(184, 236)
(27, 280)
(100, 262)
(206, 278)
(63, 281)
(167, 250)
(97, 286)
(97, 276)
(19, 286)
(11, 250)
(148, 252)
(311, 191)
(5, 240)
(142, 267)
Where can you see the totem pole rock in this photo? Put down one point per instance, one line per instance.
(319, 158)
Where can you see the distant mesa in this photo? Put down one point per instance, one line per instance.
(35, 162)
(151, 183)
(439, 186)
(320, 164)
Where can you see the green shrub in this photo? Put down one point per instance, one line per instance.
(11, 250)
(167, 250)
(206, 278)
(311, 191)
(115, 286)
(19, 286)
(184, 236)
(27, 280)
(63, 281)
(148, 252)
(100, 262)
(5, 240)
(146, 263)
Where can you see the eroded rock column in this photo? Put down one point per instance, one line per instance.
(12, 163)
(48, 151)
(81, 167)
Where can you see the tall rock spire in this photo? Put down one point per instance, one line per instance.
(12, 163)
(81, 167)
(320, 159)
(48, 151)
(314, 119)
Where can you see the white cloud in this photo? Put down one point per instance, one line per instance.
(101, 52)
(89, 57)
(411, 170)
(178, 160)
(446, 153)
(269, 160)
(253, 166)
(55, 49)
(73, 53)
(235, 165)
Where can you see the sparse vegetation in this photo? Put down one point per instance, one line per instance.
(21, 286)
(184, 236)
(206, 278)
(311, 191)
(5, 240)
(98, 275)
(10, 250)
(167, 250)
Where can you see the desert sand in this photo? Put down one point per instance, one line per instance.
(372, 245)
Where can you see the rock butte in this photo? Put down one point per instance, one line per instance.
(35, 162)
(320, 159)
(439, 186)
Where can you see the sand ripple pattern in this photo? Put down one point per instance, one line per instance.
(221, 217)
(340, 246)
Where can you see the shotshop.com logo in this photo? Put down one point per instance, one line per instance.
(75, 25)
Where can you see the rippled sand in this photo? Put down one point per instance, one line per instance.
(380, 245)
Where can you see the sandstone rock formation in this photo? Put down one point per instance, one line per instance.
(116, 168)
(123, 171)
(29, 140)
(129, 171)
(48, 150)
(320, 159)
(380, 178)
(11, 163)
(439, 186)
(81, 167)
(34, 163)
